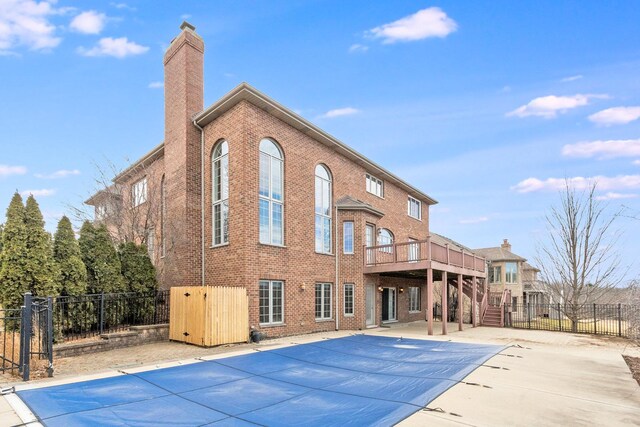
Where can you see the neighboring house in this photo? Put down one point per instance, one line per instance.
(510, 271)
(247, 193)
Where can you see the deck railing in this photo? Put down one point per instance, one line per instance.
(421, 250)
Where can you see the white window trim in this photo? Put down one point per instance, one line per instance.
(270, 199)
(271, 322)
(344, 235)
(353, 300)
(220, 202)
(138, 199)
(411, 310)
(370, 178)
(508, 275)
(323, 216)
(322, 299)
(419, 203)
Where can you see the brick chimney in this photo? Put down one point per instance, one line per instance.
(183, 98)
(506, 245)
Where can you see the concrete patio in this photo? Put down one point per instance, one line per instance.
(542, 378)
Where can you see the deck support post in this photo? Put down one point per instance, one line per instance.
(445, 303)
(460, 298)
(430, 301)
(474, 301)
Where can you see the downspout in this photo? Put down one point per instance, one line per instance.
(335, 246)
(201, 203)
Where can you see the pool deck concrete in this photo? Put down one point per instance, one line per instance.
(542, 378)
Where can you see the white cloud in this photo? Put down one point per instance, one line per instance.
(603, 149)
(358, 48)
(121, 6)
(572, 78)
(616, 116)
(119, 48)
(62, 173)
(616, 196)
(90, 22)
(430, 22)
(26, 23)
(636, 162)
(185, 16)
(39, 193)
(156, 85)
(6, 170)
(619, 182)
(549, 106)
(474, 220)
(339, 112)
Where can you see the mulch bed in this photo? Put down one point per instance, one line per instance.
(634, 366)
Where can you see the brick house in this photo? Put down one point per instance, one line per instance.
(248, 193)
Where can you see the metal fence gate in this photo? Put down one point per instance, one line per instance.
(26, 337)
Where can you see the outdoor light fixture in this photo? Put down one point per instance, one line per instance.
(380, 288)
(401, 289)
(303, 286)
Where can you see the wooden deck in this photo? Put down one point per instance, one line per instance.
(421, 255)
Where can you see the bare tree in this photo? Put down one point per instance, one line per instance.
(578, 262)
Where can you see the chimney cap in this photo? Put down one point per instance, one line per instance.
(186, 25)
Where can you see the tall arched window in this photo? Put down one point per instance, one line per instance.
(163, 216)
(220, 192)
(271, 193)
(323, 210)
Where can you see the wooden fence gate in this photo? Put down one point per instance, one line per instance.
(209, 315)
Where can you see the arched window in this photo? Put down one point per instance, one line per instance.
(220, 192)
(271, 193)
(323, 210)
(163, 216)
(385, 237)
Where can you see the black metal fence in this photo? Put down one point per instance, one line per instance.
(85, 316)
(599, 319)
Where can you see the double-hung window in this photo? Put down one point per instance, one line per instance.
(375, 185)
(347, 237)
(220, 193)
(348, 299)
(323, 301)
(511, 272)
(495, 274)
(271, 210)
(271, 302)
(139, 192)
(414, 208)
(323, 210)
(414, 299)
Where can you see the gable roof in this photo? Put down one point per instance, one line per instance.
(498, 254)
(245, 92)
(350, 203)
(527, 266)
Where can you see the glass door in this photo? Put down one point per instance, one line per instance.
(389, 304)
(370, 305)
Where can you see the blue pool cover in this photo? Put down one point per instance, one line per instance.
(356, 380)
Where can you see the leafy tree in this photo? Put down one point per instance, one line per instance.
(140, 277)
(101, 259)
(13, 281)
(137, 270)
(74, 312)
(40, 269)
(72, 275)
(1, 228)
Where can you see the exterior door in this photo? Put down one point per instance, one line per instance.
(369, 241)
(370, 305)
(414, 251)
(389, 304)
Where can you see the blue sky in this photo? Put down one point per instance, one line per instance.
(486, 106)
